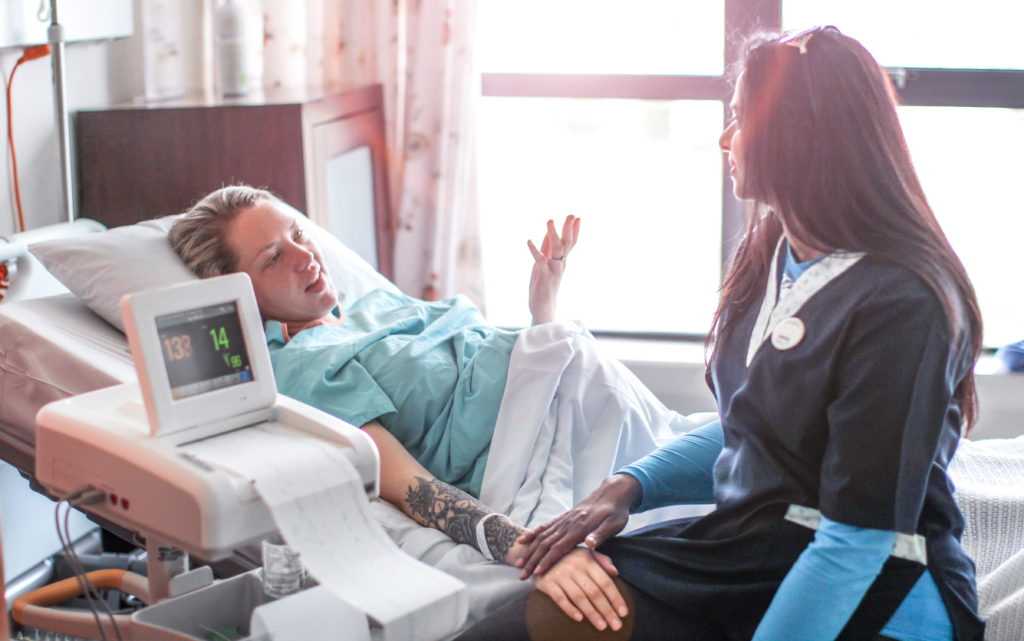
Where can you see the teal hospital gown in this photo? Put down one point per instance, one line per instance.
(433, 374)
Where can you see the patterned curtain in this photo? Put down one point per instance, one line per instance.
(420, 51)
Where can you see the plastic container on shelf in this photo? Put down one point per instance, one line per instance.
(229, 33)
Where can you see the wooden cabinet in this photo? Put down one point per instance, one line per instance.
(322, 153)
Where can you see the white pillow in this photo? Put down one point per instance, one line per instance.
(103, 267)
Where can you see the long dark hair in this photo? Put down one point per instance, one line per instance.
(824, 153)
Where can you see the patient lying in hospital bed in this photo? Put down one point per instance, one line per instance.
(426, 380)
(54, 347)
(564, 419)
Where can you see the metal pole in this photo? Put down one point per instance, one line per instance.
(55, 36)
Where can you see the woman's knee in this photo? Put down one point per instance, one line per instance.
(545, 621)
(537, 618)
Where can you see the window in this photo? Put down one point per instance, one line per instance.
(981, 34)
(645, 178)
(601, 36)
(612, 112)
(968, 159)
(958, 67)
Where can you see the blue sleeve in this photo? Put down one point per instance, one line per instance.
(680, 473)
(826, 584)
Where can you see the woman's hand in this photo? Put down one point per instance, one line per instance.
(594, 520)
(548, 266)
(581, 586)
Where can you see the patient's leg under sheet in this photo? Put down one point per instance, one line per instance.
(570, 416)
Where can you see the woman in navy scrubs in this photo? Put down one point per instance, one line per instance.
(843, 348)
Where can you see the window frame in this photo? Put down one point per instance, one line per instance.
(916, 86)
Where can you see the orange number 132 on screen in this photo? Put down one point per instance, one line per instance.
(178, 347)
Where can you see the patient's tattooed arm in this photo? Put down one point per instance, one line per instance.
(411, 488)
(501, 535)
(439, 505)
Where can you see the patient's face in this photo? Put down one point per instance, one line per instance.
(285, 265)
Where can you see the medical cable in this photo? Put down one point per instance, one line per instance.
(30, 53)
(86, 496)
(89, 591)
(82, 582)
(89, 497)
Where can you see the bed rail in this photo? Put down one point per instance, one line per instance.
(24, 276)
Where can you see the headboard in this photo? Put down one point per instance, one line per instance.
(141, 161)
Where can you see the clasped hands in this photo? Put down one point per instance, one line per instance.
(578, 578)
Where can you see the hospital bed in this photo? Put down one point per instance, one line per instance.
(64, 343)
(54, 344)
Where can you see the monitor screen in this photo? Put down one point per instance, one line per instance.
(203, 349)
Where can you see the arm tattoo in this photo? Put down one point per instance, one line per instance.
(501, 534)
(456, 513)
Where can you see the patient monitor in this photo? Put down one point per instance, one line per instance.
(196, 367)
(204, 376)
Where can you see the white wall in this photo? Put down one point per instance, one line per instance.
(29, 533)
(96, 77)
(98, 74)
(1001, 406)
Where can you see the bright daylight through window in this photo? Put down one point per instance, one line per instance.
(625, 136)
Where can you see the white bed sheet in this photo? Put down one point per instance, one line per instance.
(570, 416)
(989, 480)
(52, 348)
(55, 347)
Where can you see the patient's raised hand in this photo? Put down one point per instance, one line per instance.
(581, 586)
(594, 520)
(548, 266)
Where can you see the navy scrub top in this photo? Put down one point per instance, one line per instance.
(853, 416)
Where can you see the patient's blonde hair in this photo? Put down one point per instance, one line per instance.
(199, 237)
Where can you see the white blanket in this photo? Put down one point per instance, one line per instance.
(989, 479)
(569, 417)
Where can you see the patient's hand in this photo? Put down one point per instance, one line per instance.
(581, 586)
(594, 520)
(548, 266)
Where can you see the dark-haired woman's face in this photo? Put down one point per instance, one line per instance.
(731, 142)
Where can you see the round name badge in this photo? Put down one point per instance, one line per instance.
(788, 333)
